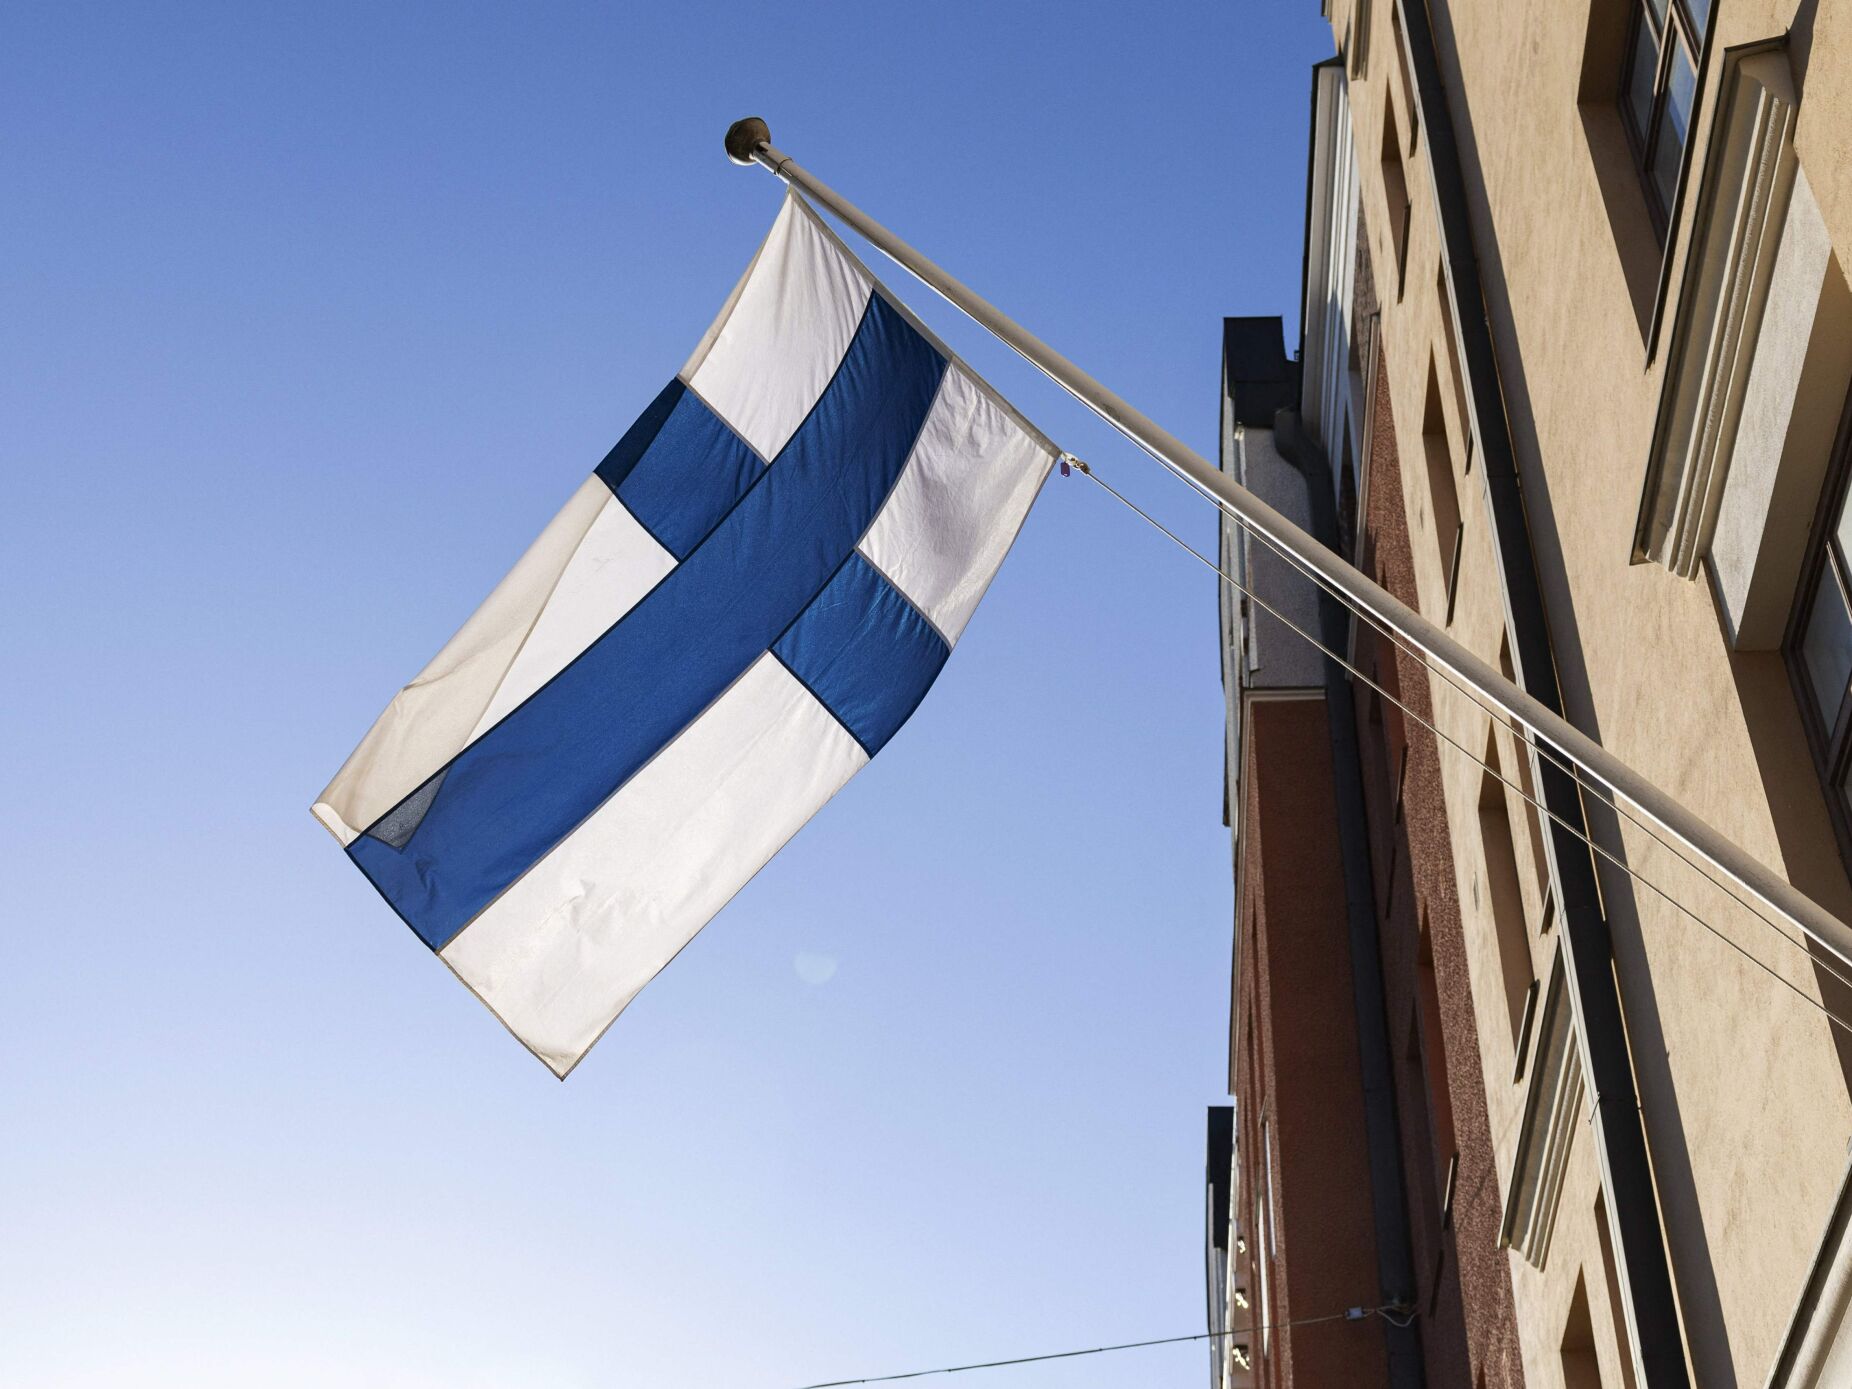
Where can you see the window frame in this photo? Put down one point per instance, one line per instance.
(1829, 745)
(1678, 27)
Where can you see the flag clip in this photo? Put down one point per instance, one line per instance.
(1069, 462)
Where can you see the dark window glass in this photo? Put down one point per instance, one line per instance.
(1826, 647)
(1658, 88)
(1674, 123)
(1642, 67)
(1819, 644)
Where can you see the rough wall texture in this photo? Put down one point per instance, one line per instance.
(1295, 1062)
(1744, 1089)
(1469, 1323)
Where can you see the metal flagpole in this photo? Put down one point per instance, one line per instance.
(749, 142)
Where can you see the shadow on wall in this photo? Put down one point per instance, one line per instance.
(1809, 851)
(1635, 239)
(1692, 1264)
(1800, 42)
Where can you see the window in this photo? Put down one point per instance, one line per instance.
(1581, 1367)
(1819, 641)
(1443, 495)
(1611, 1277)
(1553, 1114)
(1537, 880)
(1504, 894)
(1395, 195)
(1408, 82)
(1749, 281)
(1658, 86)
(1264, 1218)
(1455, 377)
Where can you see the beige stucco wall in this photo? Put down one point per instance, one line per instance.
(1742, 1087)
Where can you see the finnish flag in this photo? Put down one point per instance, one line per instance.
(741, 606)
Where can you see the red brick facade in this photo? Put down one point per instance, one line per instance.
(1296, 1077)
(1440, 1081)
(1302, 1191)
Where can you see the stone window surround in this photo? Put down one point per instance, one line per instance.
(1553, 1110)
(1817, 1351)
(1742, 203)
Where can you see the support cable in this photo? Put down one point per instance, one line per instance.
(1392, 1313)
(1585, 837)
(1586, 781)
(749, 142)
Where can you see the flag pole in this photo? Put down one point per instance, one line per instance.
(749, 141)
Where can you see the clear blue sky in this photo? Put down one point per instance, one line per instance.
(310, 317)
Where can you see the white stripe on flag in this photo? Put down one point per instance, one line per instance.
(616, 564)
(956, 509)
(560, 953)
(783, 332)
(434, 717)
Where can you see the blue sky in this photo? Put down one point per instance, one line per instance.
(312, 316)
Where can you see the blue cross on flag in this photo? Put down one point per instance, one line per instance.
(743, 603)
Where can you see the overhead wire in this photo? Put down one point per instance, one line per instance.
(1585, 778)
(1585, 837)
(1586, 781)
(1389, 1312)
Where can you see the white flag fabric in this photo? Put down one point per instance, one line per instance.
(746, 600)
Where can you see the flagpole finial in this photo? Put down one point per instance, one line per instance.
(744, 138)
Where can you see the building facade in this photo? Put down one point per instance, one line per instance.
(1575, 359)
(1302, 1182)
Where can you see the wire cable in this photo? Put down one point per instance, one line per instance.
(1119, 427)
(1587, 782)
(1586, 838)
(1388, 1312)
